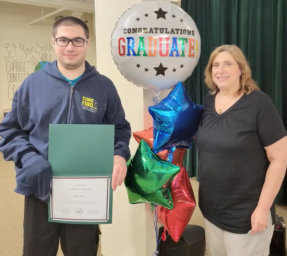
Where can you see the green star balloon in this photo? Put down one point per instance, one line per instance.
(148, 178)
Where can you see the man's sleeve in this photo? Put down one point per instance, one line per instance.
(33, 172)
(14, 142)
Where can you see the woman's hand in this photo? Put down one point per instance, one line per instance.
(259, 219)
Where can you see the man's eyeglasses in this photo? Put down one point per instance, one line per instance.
(77, 42)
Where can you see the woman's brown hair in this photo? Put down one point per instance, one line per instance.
(247, 84)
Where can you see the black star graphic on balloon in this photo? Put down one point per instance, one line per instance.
(138, 19)
(160, 13)
(181, 65)
(174, 70)
(138, 65)
(160, 70)
(146, 69)
(146, 15)
(173, 16)
(181, 20)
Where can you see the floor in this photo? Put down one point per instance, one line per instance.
(11, 209)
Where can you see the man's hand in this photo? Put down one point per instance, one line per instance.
(119, 171)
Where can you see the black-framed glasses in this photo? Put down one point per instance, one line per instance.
(77, 42)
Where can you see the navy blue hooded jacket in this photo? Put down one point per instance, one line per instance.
(44, 98)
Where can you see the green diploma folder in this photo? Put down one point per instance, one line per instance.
(81, 157)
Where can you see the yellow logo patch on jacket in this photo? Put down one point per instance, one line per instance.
(89, 104)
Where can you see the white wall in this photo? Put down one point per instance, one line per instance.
(127, 235)
(132, 232)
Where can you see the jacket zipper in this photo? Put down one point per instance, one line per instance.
(70, 104)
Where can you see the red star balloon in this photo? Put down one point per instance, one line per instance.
(178, 156)
(176, 219)
(147, 136)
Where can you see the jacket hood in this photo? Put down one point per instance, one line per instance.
(52, 70)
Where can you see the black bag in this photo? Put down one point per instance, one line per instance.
(277, 246)
(192, 243)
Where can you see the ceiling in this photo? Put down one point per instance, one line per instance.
(83, 5)
(50, 9)
(53, 8)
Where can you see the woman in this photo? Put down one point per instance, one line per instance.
(242, 158)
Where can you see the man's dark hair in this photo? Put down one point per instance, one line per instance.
(69, 21)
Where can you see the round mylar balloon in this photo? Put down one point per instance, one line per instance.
(155, 45)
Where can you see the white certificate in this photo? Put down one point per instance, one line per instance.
(80, 199)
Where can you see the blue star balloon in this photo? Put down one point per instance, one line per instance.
(175, 120)
(148, 178)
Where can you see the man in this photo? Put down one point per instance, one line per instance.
(56, 95)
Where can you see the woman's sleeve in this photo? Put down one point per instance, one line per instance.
(270, 127)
